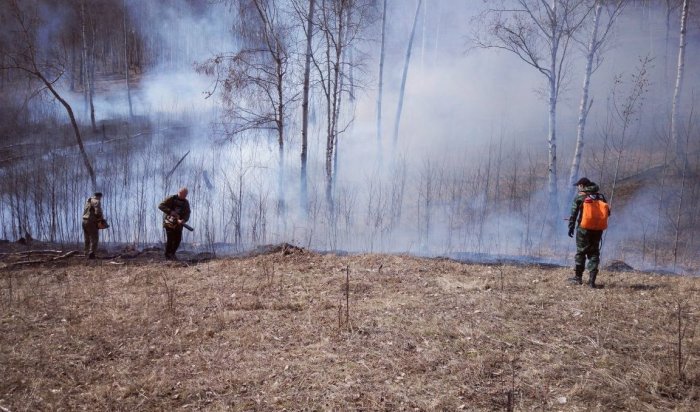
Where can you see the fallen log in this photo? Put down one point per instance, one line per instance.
(32, 252)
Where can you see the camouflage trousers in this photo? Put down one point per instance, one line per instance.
(92, 237)
(587, 247)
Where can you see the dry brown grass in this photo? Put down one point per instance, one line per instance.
(269, 333)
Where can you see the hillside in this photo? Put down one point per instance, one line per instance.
(277, 331)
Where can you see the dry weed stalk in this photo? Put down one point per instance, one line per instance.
(269, 273)
(681, 313)
(9, 289)
(510, 394)
(501, 277)
(347, 302)
(169, 293)
(347, 295)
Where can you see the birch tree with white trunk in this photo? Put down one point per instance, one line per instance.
(671, 6)
(539, 33)
(340, 24)
(255, 81)
(600, 31)
(679, 83)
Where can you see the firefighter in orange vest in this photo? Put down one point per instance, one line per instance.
(587, 239)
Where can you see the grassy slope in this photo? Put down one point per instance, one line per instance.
(269, 332)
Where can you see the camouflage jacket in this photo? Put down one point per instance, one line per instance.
(175, 204)
(92, 212)
(577, 204)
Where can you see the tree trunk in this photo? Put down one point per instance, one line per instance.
(553, 80)
(280, 139)
(73, 69)
(126, 61)
(85, 70)
(585, 106)
(91, 82)
(679, 213)
(305, 106)
(333, 102)
(667, 40)
(329, 130)
(380, 88)
(349, 57)
(679, 84)
(552, 149)
(399, 108)
(423, 36)
(76, 129)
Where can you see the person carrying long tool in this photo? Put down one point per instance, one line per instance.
(176, 211)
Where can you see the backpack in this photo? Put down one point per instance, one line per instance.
(595, 213)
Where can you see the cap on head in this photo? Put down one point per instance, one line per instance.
(98, 194)
(182, 192)
(583, 181)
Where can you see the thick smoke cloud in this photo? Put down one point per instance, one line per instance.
(473, 119)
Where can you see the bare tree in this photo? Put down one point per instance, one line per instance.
(88, 66)
(593, 58)
(333, 27)
(539, 33)
(626, 110)
(46, 65)
(305, 104)
(126, 58)
(340, 22)
(671, 6)
(399, 107)
(380, 86)
(255, 80)
(679, 83)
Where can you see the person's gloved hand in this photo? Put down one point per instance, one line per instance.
(571, 232)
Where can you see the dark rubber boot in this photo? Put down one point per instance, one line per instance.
(578, 276)
(591, 280)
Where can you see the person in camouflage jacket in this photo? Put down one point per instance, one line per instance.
(587, 241)
(176, 211)
(92, 214)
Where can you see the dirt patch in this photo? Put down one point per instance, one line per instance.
(296, 330)
(618, 266)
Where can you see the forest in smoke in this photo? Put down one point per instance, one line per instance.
(432, 127)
